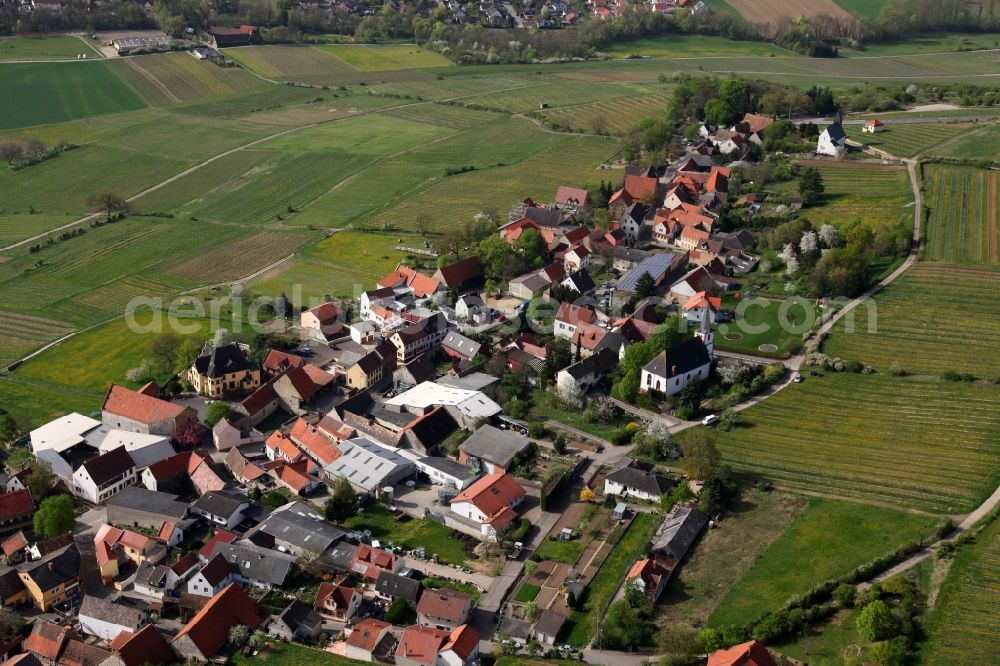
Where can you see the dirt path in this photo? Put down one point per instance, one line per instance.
(144, 73)
(89, 45)
(992, 219)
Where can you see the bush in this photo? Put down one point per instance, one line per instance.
(708, 640)
(622, 436)
(536, 429)
(845, 594)
(559, 444)
(876, 621)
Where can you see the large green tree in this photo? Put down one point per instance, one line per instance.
(701, 457)
(340, 505)
(876, 621)
(55, 516)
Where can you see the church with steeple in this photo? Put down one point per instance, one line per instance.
(688, 361)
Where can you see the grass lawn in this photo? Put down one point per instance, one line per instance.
(58, 47)
(863, 9)
(962, 627)
(34, 405)
(930, 445)
(543, 409)
(724, 554)
(436, 583)
(829, 539)
(436, 538)
(527, 593)
(825, 643)
(38, 93)
(779, 324)
(579, 628)
(561, 551)
(292, 654)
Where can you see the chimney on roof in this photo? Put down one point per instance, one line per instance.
(673, 369)
(52, 566)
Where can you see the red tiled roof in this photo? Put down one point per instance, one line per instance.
(318, 375)
(282, 444)
(301, 382)
(641, 187)
(220, 536)
(341, 595)
(421, 644)
(444, 603)
(133, 540)
(423, 285)
(571, 196)
(146, 646)
(293, 478)
(46, 639)
(190, 560)
(259, 399)
(751, 653)
(16, 504)
(463, 641)
(574, 314)
(367, 633)
(326, 313)
(701, 299)
(209, 629)
(756, 123)
(278, 361)
(461, 271)
(13, 544)
(369, 561)
(314, 442)
(138, 406)
(491, 494)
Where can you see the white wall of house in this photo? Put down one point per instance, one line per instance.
(102, 628)
(84, 486)
(827, 146)
(199, 586)
(650, 381)
(615, 488)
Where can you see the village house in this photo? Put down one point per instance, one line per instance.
(212, 578)
(833, 140)
(585, 374)
(299, 529)
(637, 480)
(461, 276)
(322, 323)
(219, 371)
(489, 503)
(548, 625)
(460, 347)
(632, 222)
(99, 478)
(253, 566)
(419, 337)
(146, 646)
(371, 640)
(443, 608)
(106, 619)
(116, 548)
(296, 388)
(472, 308)
(186, 472)
(702, 306)
(569, 317)
(570, 199)
(221, 508)
(297, 622)
(228, 434)
(426, 646)
(54, 578)
(751, 653)
(144, 412)
(872, 126)
(338, 602)
(391, 586)
(422, 286)
(16, 511)
(140, 507)
(671, 370)
(493, 450)
(649, 577)
(208, 631)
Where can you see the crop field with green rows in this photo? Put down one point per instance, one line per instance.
(906, 140)
(935, 318)
(929, 445)
(963, 221)
(963, 624)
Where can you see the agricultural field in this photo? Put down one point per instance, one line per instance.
(178, 77)
(34, 405)
(23, 333)
(973, 145)
(962, 225)
(39, 93)
(906, 140)
(612, 117)
(935, 318)
(290, 63)
(962, 625)
(240, 259)
(365, 58)
(680, 46)
(861, 192)
(18, 226)
(929, 43)
(829, 539)
(59, 47)
(939, 452)
(342, 265)
(557, 94)
(773, 11)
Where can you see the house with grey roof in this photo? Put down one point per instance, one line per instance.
(299, 529)
(221, 507)
(106, 619)
(637, 480)
(253, 566)
(140, 507)
(588, 372)
(297, 622)
(391, 586)
(677, 533)
(492, 449)
(447, 472)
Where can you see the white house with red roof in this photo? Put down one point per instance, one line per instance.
(489, 503)
(322, 322)
(427, 646)
(702, 305)
(569, 317)
(369, 639)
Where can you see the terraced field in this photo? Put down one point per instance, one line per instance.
(921, 444)
(936, 317)
(239, 259)
(22, 333)
(963, 624)
(178, 77)
(858, 193)
(611, 117)
(907, 140)
(963, 222)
